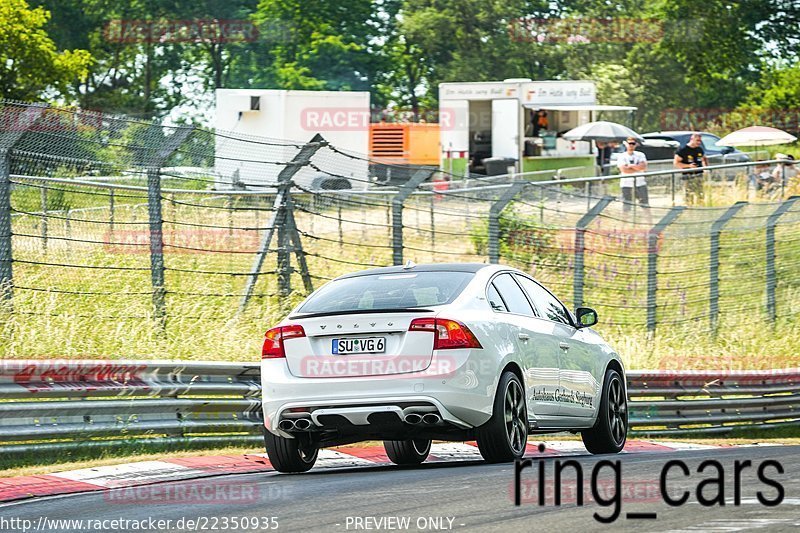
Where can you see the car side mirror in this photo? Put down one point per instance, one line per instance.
(586, 316)
(727, 149)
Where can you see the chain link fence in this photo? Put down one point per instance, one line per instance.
(119, 236)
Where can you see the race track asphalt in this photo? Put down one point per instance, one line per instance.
(460, 496)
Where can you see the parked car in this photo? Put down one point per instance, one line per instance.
(444, 351)
(722, 154)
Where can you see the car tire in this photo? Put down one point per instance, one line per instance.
(503, 438)
(610, 430)
(290, 455)
(407, 452)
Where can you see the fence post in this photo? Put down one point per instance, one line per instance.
(6, 274)
(339, 218)
(111, 210)
(397, 212)
(580, 238)
(433, 222)
(284, 260)
(493, 236)
(156, 220)
(17, 126)
(772, 281)
(277, 221)
(713, 267)
(43, 199)
(296, 244)
(652, 260)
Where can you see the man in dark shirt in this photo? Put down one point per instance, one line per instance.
(692, 156)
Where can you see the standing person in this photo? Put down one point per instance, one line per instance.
(604, 150)
(632, 161)
(540, 122)
(692, 156)
(784, 171)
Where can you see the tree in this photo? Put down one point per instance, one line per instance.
(326, 44)
(478, 40)
(30, 64)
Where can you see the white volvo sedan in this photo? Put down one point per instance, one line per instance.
(453, 352)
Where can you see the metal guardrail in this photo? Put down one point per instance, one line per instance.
(73, 404)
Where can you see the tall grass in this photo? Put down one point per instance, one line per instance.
(202, 323)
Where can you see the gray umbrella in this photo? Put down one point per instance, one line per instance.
(601, 131)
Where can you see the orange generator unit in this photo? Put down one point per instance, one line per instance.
(399, 149)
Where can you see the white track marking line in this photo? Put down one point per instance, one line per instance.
(681, 446)
(338, 459)
(455, 450)
(129, 474)
(565, 446)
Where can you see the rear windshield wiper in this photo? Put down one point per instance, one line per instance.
(362, 312)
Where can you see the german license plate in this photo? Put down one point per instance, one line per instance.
(364, 345)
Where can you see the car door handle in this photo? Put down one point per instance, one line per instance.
(524, 336)
(563, 345)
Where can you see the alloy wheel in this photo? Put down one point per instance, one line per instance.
(617, 410)
(515, 417)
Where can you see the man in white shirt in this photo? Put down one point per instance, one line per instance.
(632, 161)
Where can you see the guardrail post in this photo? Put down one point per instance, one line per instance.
(580, 235)
(16, 127)
(277, 221)
(772, 280)
(713, 267)
(652, 260)
(493, 243)
(397, 212)
(156, 221)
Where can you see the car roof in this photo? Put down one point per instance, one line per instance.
(678, 133)
(433, 267)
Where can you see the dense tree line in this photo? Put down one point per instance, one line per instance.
(141, 56)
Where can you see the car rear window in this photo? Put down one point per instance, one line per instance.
(388, 291)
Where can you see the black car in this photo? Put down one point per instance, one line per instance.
(716, 154)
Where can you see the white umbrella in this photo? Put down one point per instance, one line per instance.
(757, 136)
(601, 131)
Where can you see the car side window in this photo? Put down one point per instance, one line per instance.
(495, 300)
(710, 143)
(512, 295)
(547, 305)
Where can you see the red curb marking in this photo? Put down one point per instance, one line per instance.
(16, 488)
(376, 454)
(644, 446)
(228, 464)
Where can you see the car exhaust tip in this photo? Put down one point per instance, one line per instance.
(286, 424)
(302, 424)
(413, 418)
(431, 418)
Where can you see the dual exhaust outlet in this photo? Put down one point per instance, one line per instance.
(298, 424)
(428, 419)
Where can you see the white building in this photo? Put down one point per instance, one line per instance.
(275, 119)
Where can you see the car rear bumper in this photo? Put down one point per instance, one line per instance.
(460, 392)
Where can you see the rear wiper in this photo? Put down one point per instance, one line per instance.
(362, 312)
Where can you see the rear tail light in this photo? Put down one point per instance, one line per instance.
(448, 334)
(273, 340)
